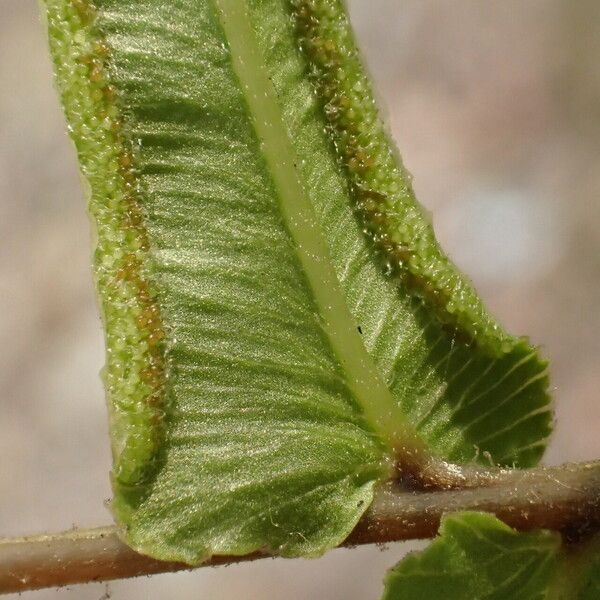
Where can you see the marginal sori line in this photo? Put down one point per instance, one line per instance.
(384, 201)
(135, 366)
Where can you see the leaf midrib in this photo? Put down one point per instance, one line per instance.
(364, 381)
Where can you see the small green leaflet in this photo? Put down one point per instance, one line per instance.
(281, 325)
(477, 557)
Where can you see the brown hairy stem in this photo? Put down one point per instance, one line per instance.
(565, 498)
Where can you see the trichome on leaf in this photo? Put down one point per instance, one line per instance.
(283, 330)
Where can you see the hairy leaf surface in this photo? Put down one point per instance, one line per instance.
(281, 324)
(478, 557)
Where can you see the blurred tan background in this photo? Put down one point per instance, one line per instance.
(496, 108)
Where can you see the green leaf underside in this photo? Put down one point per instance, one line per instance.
(478, 557)
(266, 356)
